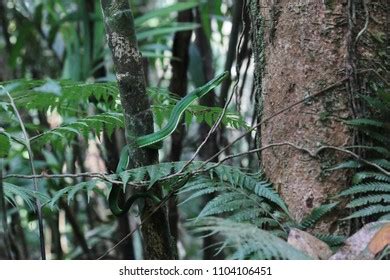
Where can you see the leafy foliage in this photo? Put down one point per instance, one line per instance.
(5, 144)
(332, 240)
(238, 196)
(66, 132)
(26, 195)
(69, 99)
(248, 241)
(370, 191)
(317, 213)
(71, 191)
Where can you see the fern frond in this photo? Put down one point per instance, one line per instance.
(317, 213)
(28, 196)
(264, 190)
(351, 164)
(361, 176)
(369, 199)
(366, 188)
(71, 191)
(332, 240)
(248, 241)
(63, 96)
(385, 217)
(68, 131)
(382, 162)
(226, 202)
(369, 211)
(200, 188)
(365, 122)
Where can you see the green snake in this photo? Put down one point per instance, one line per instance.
(152, 140)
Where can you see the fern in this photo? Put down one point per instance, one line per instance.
(370, 192)
(247, 241)
(28, 196)
(97, 123)
(365, 122)
(316, 215)
(71, 191)
(368, 195)
(238, 196)
(365, 175)
(369, 199)
(332, 240)
(65, 97)
(370, 210)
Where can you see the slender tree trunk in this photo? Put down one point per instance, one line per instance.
(178, 85)
(122, 41)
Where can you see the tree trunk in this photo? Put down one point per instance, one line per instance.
(301, 48)
(178, 85)
(122, 41)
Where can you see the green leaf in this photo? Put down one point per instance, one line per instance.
(164, 12)
(123, 160)
(167, 30)
(5, 144)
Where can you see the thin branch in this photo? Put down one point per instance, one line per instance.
(35, 182)
(311, 153)
(101, 176)
(321, 92)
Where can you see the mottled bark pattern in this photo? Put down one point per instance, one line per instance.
(122, 41)
(305, 51)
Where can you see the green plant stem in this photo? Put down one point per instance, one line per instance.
(35, 181)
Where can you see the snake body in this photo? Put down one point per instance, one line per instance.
(152, 140)
(177, 112)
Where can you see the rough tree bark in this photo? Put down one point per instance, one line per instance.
(121, 37)
(300, 48)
